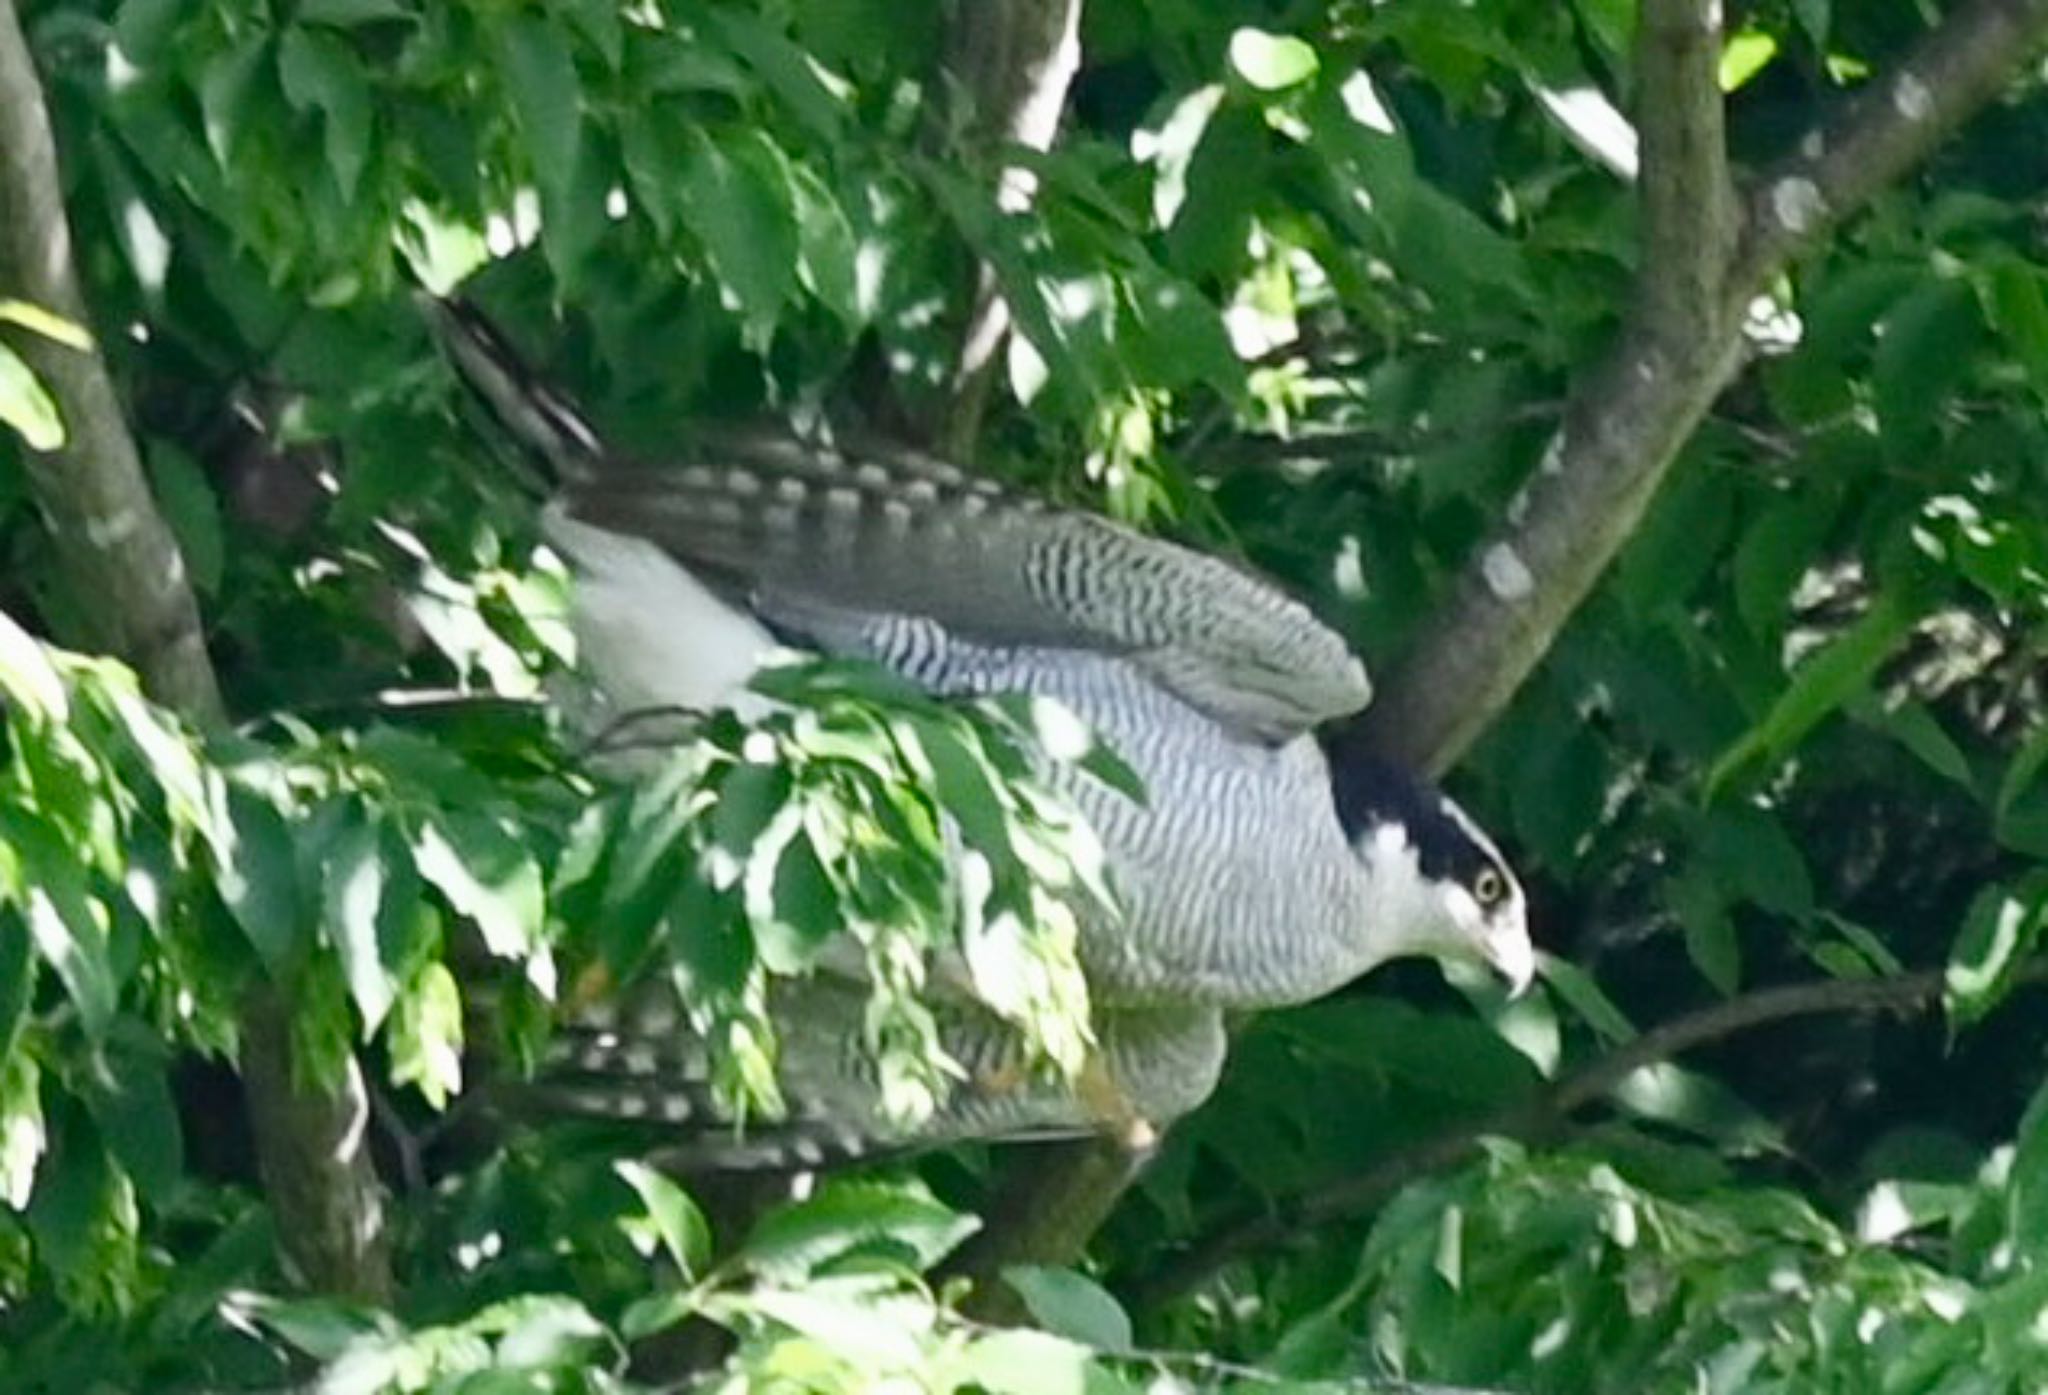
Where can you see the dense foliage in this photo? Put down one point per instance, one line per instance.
(1305, 284)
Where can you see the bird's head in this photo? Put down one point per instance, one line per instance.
(1439, 885)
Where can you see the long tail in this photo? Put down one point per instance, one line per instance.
(538, 420)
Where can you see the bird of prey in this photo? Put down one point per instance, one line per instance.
(1267, 866)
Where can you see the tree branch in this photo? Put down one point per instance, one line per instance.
(1680, 344)
(1888, 129)
(1011, 62)
(1624, 423)
(129, 596)
(1540, 1116)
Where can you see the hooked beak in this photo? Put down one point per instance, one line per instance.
(1513, 957)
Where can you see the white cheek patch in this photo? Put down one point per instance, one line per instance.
(1465, 911)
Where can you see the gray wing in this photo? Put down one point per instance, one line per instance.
(832, 546)
(637, 1062)
(827, 543)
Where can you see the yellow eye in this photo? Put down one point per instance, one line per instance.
(1490, 888)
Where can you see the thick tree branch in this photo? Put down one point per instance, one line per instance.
(1542, 1115)
(1625, 421)
(1680, 344)
(129, 596)
(123, 569)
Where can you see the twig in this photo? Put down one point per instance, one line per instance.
(1539, 1115)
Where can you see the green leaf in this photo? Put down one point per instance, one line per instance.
(965, 788)
(736, 197)
(67, 924)
(2023, 771)
(425, 1035)
(710, 945)
(1917, 729)
(49, 324)
(486, 875)
(1584, 996)
(320, 72)
(1025, 1363)
(1072, 1305)
(547, 94)
(2019, 311)
(1180, 339)
(1815, 17)
(28, 677)
(1822, 684)
(749, 798)
(25, 406)
(792, 1242)
(225, 91)
(22, 1134)
(1928, 344)
(83, 1215)
(1746, 54)
(2027, 1206)
(258, 880)
(1710, 939)
(352, 905)
(144, 27)
(684, 1232)
(804, 905)
(132, 1106)
(1775, 551)
(829, 260)
(785, 67)
(1748, 852)
(17, 978)
(348, 14)
(191, 510)
(1271, 62)
(2000, 930)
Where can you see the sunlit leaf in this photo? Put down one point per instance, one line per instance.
(28, 676)
(47, 323)
(486, 875)
(353, 903)
(1271, 62)
(677, 1220)
(68, 925)
(26, 406)
(1745, 54)
(2001, 929)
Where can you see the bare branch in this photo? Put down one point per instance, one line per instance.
(1542, 1115)
(131, 597)
(1681, 343)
